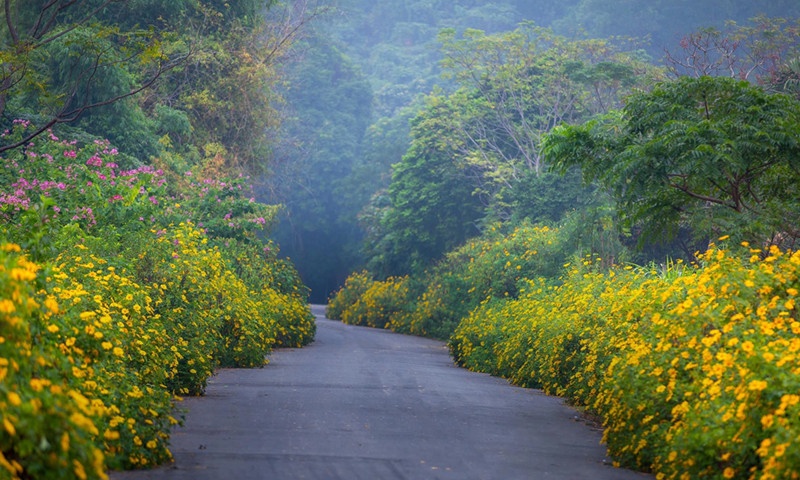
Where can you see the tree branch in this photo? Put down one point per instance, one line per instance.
(85, 19)
(685, 189)
(66, 116)
(12, 29)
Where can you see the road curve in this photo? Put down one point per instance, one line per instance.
(369, 404)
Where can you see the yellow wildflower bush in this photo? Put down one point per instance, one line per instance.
(276, 288)
(180, 270)
(354, 286)
(48, 426)
(118, 355)
(294, 324)
(247, 331)
(695, 373)
(380, 305)
(721, 365)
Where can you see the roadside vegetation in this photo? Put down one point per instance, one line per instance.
(562, 208)
(620, 234)
(134, 256)
(123, 289)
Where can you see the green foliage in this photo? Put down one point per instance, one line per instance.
(207, 63)
(332, 102)
(432, 207)
(62, 63)
(712, 153)
(547, 197)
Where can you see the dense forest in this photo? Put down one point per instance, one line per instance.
(370, 68)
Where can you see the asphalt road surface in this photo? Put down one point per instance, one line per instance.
(369, 404)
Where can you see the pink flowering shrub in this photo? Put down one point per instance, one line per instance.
(86, 186)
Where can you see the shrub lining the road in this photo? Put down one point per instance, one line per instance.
(119, 289)
(695, 374)
(694, 369)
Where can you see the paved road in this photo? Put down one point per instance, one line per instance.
(369, 404)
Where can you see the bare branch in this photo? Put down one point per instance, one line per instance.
(685, 189)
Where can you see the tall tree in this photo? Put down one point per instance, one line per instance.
(716, 155)
(431, 207)
(517, 86)
(58, 62)
(229, 89)
(759, 51)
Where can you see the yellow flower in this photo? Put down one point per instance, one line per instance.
(729, 472)
(14, 399)
(22, 275)
(767, 421)
(9, 427)
(11, 247)
(51, 304)
(757, 385)
(780, 450)
(7, 306)
(763, 450)
(80, 472)
(83, 422)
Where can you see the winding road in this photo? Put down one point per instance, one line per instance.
(370, 404)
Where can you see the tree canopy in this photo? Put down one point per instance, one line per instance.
(717, 155)
(61, 63)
